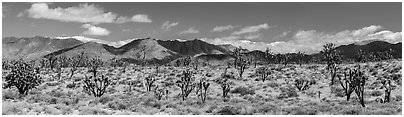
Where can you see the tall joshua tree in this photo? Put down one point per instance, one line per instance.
(332, 57)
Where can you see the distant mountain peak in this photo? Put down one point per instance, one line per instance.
(83, 39)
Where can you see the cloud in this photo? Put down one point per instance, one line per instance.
(311, 41)
(141, 18)
(237, 41)
(252, 29)
(83, 13)
(222, 28)
(167, 25)
(95, 30)
(189, 31)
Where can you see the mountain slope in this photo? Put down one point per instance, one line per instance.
(130, 50)
(349, 51)
(34, 47)
(91, 49)
(192, 47)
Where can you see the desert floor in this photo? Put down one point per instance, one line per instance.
(248, 95)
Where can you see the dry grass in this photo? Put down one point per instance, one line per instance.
(276, 96)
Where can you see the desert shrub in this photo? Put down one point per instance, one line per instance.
(243, 91)
(105, 99)
(53, 83)
(13, 108)
(189, 110)
(267, 108)
(57, 93)
(227, 110)
(398, 98)
(151, 102)
(38, 98)
(337, 91)
(92, 111)
(351, 111)
(287, 92)
(7, 94)
(71, 85)
(273, 84)
(300, 111)
(211, 108)
(52, 101)
(117, 105)
(376, 93)
(51, 110)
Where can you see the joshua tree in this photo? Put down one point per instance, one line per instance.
(264, 72)
(96, 86)
(332, 58)
(268, 56)
(51, 61)
(304, 83)
(150, 80)
(160, 92)
(354, 81)
(23, 76)
(387, 90)
(186, 84)
(94, 65)
(225, 88)
(240, 61)
(301, 57)
(202, 89)
(63, 61)
(347, 83)
(77, 61)
(360, 82)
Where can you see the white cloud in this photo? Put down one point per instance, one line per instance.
(116, 44)
(222, 28)
(252, 29)
(83, 13)
(189, 31)
(311, 41)
(167, 25)
(94, 30)
(141, 18)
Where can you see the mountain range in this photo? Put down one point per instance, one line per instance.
(31, 48)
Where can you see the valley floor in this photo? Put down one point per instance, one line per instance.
(276, 96)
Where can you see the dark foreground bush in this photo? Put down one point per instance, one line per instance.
(243, 91)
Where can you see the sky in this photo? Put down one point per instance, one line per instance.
(281, 27)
